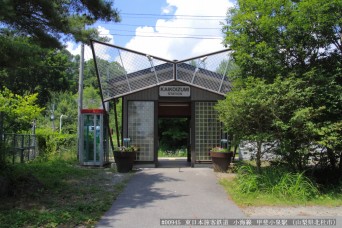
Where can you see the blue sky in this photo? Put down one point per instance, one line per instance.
(171, 29)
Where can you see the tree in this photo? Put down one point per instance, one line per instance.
(295, 119)
(65, 103)
(46, 21)
(31, 37)
(275, 37)
(228, 68)
(173, 133)
(92, 98)
(17, 112)
(280, 112)
(300, 43)
(28, 68)
(246, 114)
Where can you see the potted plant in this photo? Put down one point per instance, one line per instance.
(124, 158)
(221, 158)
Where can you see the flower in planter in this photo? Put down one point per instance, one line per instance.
(221, 158)
(128, 149)
(219, 149)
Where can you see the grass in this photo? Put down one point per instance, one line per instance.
(58, 194)
(276, 186)
(172, 153)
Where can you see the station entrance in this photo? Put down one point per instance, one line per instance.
(174, 134)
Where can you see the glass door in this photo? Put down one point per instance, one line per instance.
(91, 151)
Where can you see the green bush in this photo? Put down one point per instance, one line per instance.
(52, 144)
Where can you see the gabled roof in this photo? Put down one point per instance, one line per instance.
(126, 71)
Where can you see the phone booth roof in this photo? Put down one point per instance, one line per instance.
(93, 111)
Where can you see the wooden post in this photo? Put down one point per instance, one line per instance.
(29, 147)
(116, 124)
(22, 149)
(13, 148)
(108, 130)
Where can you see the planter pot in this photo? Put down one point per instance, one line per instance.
(124, 161)
(221, 160)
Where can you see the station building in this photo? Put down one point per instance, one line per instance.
(152, 88)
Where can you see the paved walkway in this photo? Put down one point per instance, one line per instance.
(170, 193)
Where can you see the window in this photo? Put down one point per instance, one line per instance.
(141, 128)
(207, 130)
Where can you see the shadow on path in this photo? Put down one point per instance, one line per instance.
(154, 194)
(173, 163)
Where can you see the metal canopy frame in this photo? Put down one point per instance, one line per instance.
(121, 71)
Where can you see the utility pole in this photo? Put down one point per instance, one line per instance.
(80, 99)
(60, 122)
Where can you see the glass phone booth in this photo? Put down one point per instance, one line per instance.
(93, 145)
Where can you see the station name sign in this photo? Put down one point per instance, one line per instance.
(174, 91)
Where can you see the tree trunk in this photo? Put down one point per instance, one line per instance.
(235, 149)
(340, 165)
(258, 156)
(2, 151)
(1, 124)
(332, 158)
(236, 144)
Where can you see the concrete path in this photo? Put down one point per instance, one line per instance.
(170, 193)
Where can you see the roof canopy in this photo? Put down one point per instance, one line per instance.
(122, 71)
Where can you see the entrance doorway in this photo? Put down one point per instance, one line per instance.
(174, 149)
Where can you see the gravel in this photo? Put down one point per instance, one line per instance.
(300, 211)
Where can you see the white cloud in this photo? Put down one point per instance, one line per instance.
(176, 48)
(75, 48)
(106, 33)
(167, 9)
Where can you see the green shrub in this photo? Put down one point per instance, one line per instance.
(52, 144)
